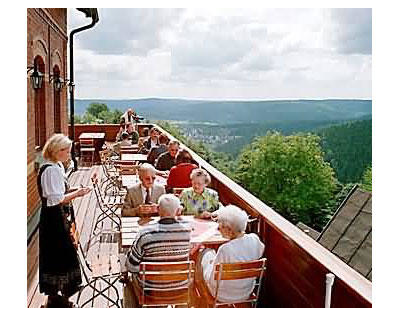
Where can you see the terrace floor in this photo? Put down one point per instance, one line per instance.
(86, 211)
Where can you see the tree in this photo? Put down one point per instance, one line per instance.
(366, 183)
(96, 108)
(289, 174)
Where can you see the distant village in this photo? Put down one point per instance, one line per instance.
(212, 137)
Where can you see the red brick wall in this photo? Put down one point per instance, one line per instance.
(47, 38)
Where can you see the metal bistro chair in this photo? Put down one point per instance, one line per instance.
(161, 273)
(102, 268)
(108, 210)
(239, 271)
(111, 180)
(87, 151)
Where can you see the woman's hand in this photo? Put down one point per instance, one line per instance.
(83, 191)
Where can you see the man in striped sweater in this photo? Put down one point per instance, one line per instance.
(164, 240)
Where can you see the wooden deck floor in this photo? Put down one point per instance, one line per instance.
(86, 211)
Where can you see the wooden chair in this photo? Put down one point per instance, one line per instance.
(239, 271)
(165, 272)
(87, 151)
(128, 169)
(129, 149)
(236, 271)
(253, 225)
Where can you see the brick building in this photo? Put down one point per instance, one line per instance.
(47, 108)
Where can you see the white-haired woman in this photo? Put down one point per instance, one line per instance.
(199, 200)
(241, 247)
(59, 269)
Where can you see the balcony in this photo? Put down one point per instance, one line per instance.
(297, 265)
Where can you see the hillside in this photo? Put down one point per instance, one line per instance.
(348, 148)
(230, 112)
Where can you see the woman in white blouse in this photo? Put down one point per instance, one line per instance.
(240, 247)
(59, 268)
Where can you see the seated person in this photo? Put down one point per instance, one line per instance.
(151, 141)
(166, 240)
(241, 247)
(158, 150)
(120, 131)
(145, 132)
(124, 142)
(179, 175)
(133, 135)
(167, 160)
(199, 200)
(144, 192)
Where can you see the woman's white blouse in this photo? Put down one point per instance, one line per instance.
(53, 184)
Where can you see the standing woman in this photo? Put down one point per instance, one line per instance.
(59, 269)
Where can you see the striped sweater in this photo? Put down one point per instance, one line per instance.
(162, 241)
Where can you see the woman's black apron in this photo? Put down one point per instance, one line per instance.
(59, 268)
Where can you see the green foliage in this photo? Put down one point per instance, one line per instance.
(96, 108)
(366, 183)
(289, 174)
(348, 148)
(100, 114)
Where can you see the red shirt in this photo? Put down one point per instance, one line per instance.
(179, 176)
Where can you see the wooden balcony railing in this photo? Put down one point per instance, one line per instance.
(297, 264)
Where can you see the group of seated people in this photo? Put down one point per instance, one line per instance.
(168, 239)
(197, 200)
(166, 156)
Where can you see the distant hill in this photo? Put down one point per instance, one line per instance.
(238, 111)
(348, 148)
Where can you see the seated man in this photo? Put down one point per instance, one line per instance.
(162, 241)
(144, 192)
(167, 160)
(151, 141)
(133, 136)
(124, 142)
(158, 150)
(241, 247)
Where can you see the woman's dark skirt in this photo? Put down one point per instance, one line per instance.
(59, 268)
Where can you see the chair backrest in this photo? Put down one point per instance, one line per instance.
(128, 170)
(97, 191)
(238, 271)
(165, 283)
(86, 142)
(118, 163)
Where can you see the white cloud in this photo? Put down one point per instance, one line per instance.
(231, 53)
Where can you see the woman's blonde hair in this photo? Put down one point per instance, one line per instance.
(197, 173)
(54, 144)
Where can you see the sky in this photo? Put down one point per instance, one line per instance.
(245, 54)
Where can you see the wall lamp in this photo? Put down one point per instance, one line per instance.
(36, 77)
(57, 82)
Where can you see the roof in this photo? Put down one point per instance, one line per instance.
(349, 233)
(308, 230)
